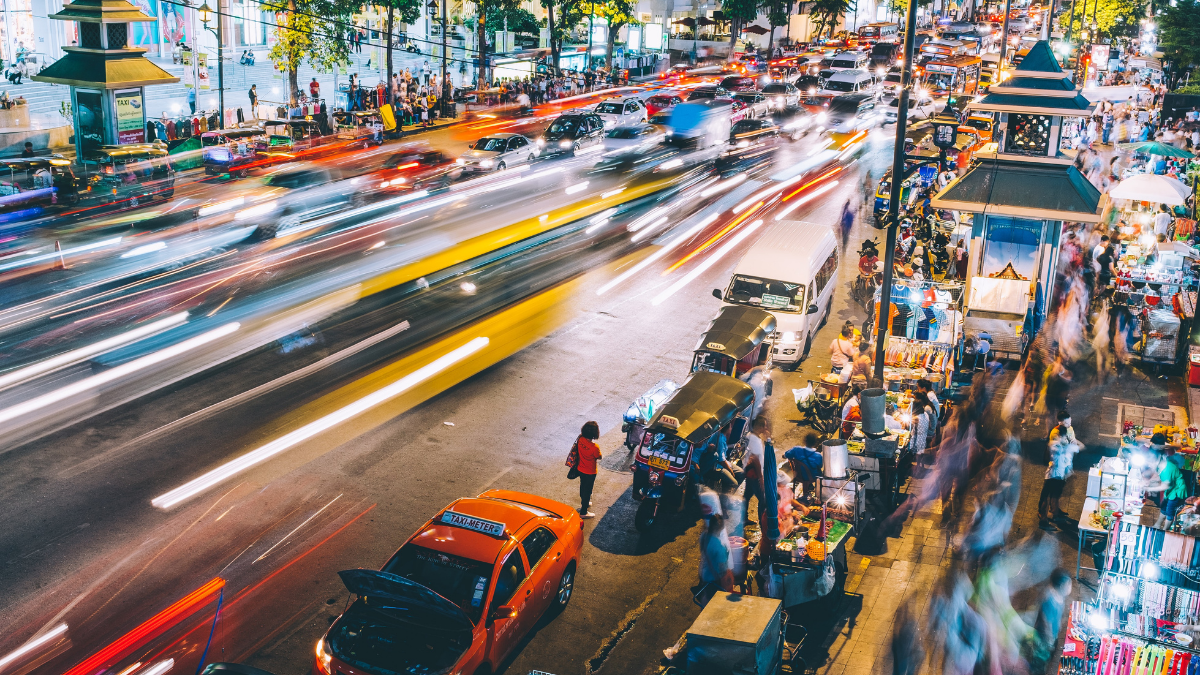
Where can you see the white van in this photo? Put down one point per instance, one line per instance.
(791, 272)
(850, 61)
(849, 82)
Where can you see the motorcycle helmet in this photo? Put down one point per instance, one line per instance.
(878, 267)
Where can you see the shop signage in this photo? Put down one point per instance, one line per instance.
(131, 119)
(1100, 56)
(488, 527)
(202, 70)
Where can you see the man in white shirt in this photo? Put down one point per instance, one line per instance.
(753, 463)
(1162, 220)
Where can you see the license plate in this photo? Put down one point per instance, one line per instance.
(660, 463)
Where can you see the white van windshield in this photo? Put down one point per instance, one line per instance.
(780, 296)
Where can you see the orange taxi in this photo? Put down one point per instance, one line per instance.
(461, 593)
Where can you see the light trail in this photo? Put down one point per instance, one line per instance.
(806, 199)
(648, 230)
(49, 637)
(723, 185)
(66, 358)
(657, 255)
(143, 250)
(289, 440)
(818, 179)
(714, 239)
(708, 262)
(113, 374)
(55, 254)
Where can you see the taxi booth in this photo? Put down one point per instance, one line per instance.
(1015, 199)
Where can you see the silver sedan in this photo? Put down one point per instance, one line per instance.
(497, 152)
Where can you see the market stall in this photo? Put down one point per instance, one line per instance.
(925, 321)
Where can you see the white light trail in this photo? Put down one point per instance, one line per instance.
(670, 164)
(828, 142)
(768, 191)
(221, 207)
(289, 440)
(143, 250)
(113, 374)
(612, 193)
(806, 199)
(49, 637)
(651, 215)
(257, 210)
(53, 363)
(667, 248)
(65, 252)
(708, 262)
(159, 668)
(578, 187)
(646, 231)
(723, 185)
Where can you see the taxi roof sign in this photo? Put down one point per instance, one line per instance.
(668, 421)
(488, 527)
(716, 345)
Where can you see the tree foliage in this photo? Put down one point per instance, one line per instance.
(562, 17)
(406, 11)
(312, 32)
(826, 14)
(519, 21)
(1115, 18)
(739, 13)
(1179, 36)
(619, 13)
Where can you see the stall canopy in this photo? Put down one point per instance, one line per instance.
(1148, 187)
(1021, 189)
(1154, 148)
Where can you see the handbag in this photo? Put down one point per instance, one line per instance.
(573, 461)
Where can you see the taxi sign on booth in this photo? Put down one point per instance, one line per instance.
(488, 527)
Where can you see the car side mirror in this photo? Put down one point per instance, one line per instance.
(501, 612)
(813, 309)
(717, 293)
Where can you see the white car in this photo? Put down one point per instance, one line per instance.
(781, 95)
(757, 105)
(497, 152)
(640, 137)
(921, 109)
(621, 112)
(850, 113)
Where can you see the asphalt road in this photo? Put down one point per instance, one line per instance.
(84, 546)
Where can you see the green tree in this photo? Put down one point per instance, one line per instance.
(518, 21)
(777, 15)
(1115, 18)
(313, 32)
(1179, 36)
(827, 14)
(619, 13)
(560, 25)
(738, 13)
(487, 8)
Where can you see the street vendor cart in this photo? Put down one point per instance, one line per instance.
(360, 126)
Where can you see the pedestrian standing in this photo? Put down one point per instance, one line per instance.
(1162, 220)
(753, 463)
(1062, 447)
(715, 573)
(842, 350)
(589, 454)
(253, 94)
(191, 98)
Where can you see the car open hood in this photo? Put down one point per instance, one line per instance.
(404, 599)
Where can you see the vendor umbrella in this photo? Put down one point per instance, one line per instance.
(705, 21)
(1149, 187)
(686, 21)
(757, 30)
(1155, 148)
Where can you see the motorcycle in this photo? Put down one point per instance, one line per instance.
(869, 271)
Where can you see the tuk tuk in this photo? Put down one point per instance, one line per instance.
(733, 343)
(28, 185)
(706, 405)
(290, 137)
(360, 126)
(131, 174)
(232, 151)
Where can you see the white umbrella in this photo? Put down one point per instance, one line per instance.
(1148, 187)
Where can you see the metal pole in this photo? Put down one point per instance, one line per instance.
(1070, 24)
(1003, 43)
(220, 66)
(591, 19)
(882, 325)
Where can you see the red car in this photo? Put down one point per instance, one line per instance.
(662, 103)
(674, 74)
(461, 593)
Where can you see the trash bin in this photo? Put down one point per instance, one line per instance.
(1194, 370)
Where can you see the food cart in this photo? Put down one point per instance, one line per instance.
(360, 126)
(738, 634)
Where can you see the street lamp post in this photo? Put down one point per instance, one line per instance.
(445, 66)
(882, 324)
(206, 15)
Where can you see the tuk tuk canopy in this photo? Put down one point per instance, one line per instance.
(736, 331)
(705, 403)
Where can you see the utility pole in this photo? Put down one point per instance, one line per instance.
(206, 15)
(446, 89)
(883, 323)
(1003, 43)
